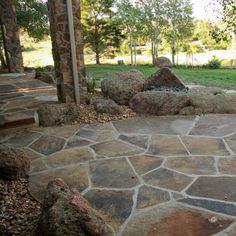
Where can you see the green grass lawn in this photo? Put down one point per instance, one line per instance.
(224, 78)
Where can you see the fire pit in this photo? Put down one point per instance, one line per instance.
(165, 94)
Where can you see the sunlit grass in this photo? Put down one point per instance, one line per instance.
(225, 78)
(39, 54)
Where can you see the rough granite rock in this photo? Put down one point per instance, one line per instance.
(162, 62)
(192, 103)
(163, 78)
(46, 77)
(159, 103)
(58, 114)
(203, 102)
(107, 106)
(66, 212)
(14, 164)
(121, 87)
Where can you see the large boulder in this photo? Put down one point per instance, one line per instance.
(66, 212)
(47, 77)
(56, 114)
(203, 102)
(107, 106)
(162, 62)
(159, 103)
(121, 87)
(163, 78)
(195, 102)
(14, 163)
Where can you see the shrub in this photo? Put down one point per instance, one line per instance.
(91, 84)
(214, 63)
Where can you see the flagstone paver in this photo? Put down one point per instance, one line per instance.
(47, 144)
(225, 208)
(20, 138)
(175, 220)
(221, 188)
(115, 173)
(192, 165)
(149, 196)
(145, 175)
(231, 141)
(227, 165)
(205, 146)
(168, 179)
(96, 135)
(166, 145)
(156, 125)
(31, 154)
(138, 140)
(217, 126)
(114, 206)
(115, 148)
(69, 157)
(144, 163)
(76, 141)
(74, 176)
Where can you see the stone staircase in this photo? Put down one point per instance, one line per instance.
(20, 96)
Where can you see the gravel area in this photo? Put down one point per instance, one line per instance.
(19, 212)
(88, 115)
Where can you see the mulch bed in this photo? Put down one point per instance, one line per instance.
(19, 212)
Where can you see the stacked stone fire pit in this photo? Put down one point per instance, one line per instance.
(163, 93)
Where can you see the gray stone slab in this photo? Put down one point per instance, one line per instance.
(205, 146)
(32, 84)
(167, 179)
(138, 140)
(144, 163)
(47, 144)
(96, 135)
(218, 187)
(7, 88)
(192, 165)
(220, 207)
(115, 173)
(148, 196)
(166, 146)
(156, 125)
(114, 206)
(215, 125)
(231, 141)
(115, 148)
(74, 176)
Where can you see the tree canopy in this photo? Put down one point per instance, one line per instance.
(32, 17)
(102, 33)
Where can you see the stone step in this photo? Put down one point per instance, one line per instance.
(16, 119)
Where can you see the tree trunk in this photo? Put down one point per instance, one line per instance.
(2, 59)
(131, 50)
(135, 54)
(153, 56)
(154, 49)
(11, 37)
(233, 50)
(173, 55)
(97, 58)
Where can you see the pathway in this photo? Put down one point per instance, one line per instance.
(20, 97)
(147, 175)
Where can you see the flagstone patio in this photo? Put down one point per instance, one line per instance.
(147, 175)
